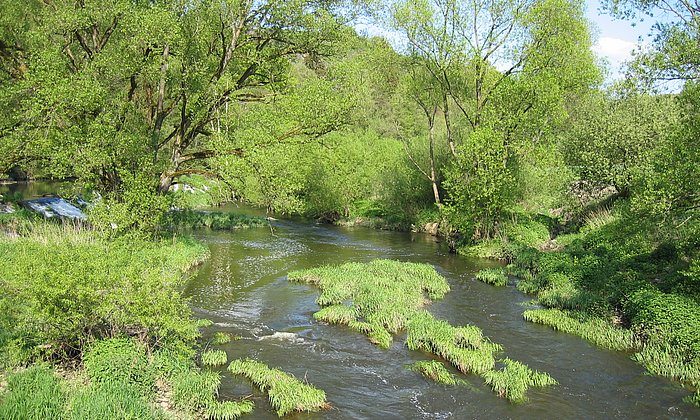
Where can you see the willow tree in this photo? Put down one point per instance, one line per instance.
(505, 69)
(123, 90)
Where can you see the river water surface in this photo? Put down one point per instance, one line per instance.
(243, 289)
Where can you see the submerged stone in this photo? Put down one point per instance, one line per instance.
(54, 207)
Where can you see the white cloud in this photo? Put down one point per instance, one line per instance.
(614, 49)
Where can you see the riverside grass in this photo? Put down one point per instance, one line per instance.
(287, 394)
(383, 297)
(596, 330)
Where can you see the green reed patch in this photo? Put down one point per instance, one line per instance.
(514, 379)
(493, 276)
(596, 330)
(435, 371)
(220, 338)
(214, 358)
(383, 297)
(195, 393)
(464, 347)
(286, 393)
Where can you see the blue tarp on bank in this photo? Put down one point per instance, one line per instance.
(54, 207)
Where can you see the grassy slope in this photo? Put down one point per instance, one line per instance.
(620, 282)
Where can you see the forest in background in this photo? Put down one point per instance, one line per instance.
(490, 121)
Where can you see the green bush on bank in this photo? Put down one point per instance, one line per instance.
(64, 287)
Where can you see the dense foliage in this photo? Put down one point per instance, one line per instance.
(482, 121)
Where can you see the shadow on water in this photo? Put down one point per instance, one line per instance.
(243, 289)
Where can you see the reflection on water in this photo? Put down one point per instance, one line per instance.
(243, 289)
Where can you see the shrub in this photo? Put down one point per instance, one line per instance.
(65, 288)
(119, 361)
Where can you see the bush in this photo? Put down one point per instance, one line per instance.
(63, 289)
(121, 361)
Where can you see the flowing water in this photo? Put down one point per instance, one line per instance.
(243, 289)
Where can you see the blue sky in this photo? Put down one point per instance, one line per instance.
(615, 39)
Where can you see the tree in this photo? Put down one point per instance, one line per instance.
(615, 141)
(674, 52)
(114, 88)
(507, 69)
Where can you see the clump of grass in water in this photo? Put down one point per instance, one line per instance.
(493, 276)
(595, 330)
(514, 379)
(435, 371)
(286, 393)
(463, 347)
(220, 338)
(195, 392)
(214, 358)
(384, 294)
(385, 297)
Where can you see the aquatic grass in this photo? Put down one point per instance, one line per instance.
(34, 393)
(382, 298)
(666, 360)
(195, 392)
(336, 314)
(435, 371)
(220, 338)
(596, 330)
(228, 410)
(214, 358)
(286, 393)
(514, 379)
(377, 298)
(492, 276)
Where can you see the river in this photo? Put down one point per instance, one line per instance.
(243, 289)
